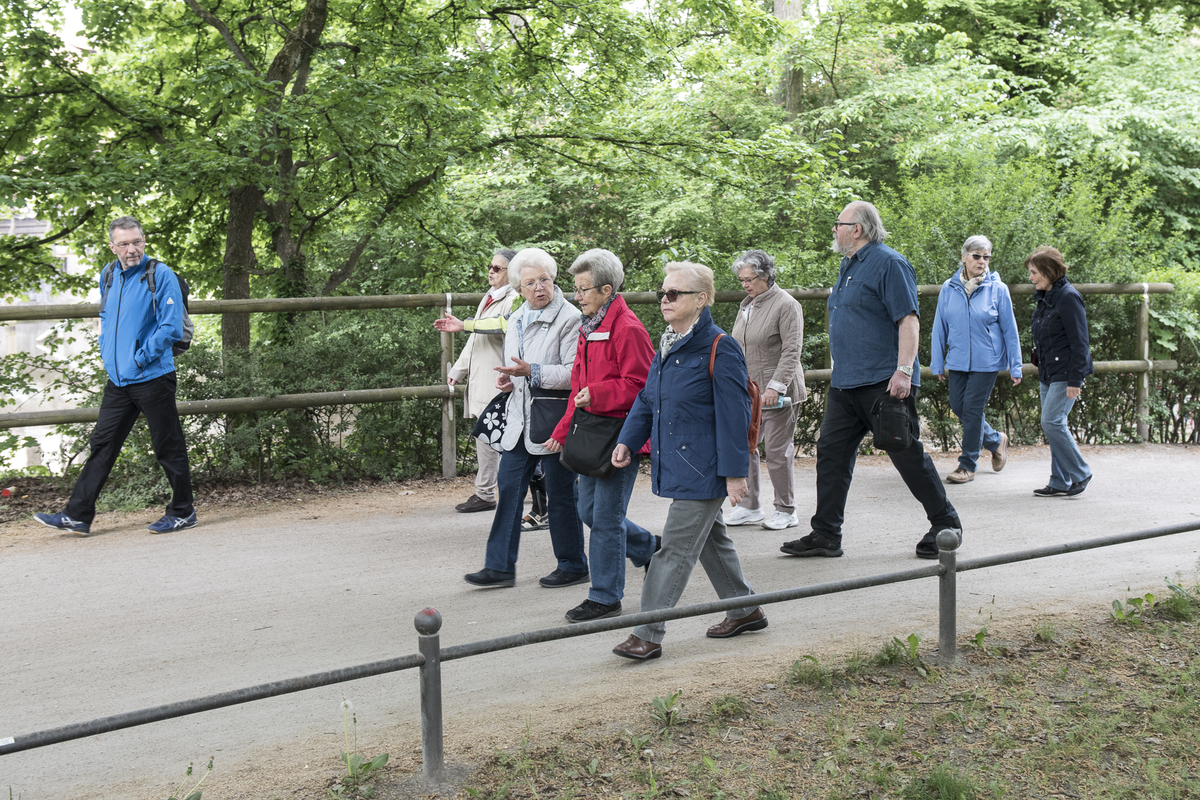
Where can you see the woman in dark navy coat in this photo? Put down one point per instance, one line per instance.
(697, 426)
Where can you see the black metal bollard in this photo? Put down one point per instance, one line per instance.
(428, 622)
(947, 541)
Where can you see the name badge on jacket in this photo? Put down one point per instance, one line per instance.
(598, 336)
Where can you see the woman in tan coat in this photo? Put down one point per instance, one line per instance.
(770, 329)
(477, 366)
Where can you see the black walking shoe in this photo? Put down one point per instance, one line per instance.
(491, 578)
(813, 545)
(590, 609)
(1079, 486)
(1050, 491)
(560, 579)
(927, 547)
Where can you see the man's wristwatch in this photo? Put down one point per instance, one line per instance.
(907, 370)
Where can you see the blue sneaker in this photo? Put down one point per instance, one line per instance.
(169, 524)
(63, 523)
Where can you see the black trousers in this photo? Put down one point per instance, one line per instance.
(155, 400)
(847, 420)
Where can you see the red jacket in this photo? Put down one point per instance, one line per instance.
(613, 363)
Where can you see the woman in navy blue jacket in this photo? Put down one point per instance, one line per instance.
(974, 337)
(697, 426)
(1064, 359)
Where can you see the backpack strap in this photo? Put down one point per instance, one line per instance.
(106, 282)
(712, 354)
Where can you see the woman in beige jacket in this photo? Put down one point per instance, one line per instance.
(770, 329)
(477, 366)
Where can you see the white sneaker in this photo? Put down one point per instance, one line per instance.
(780, 520)
(743, 516)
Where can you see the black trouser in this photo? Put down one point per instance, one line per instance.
(847, 420)
(155, 400)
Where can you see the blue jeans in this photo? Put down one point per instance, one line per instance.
(602, 506)
(512, 481)
(695, 531)
(1066, 462)
(969, 393)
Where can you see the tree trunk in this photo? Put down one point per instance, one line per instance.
(244, 203)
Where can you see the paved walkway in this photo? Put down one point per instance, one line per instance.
(124, 620)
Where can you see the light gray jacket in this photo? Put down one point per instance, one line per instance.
(548, 339)
(772, 339)
(483, 353)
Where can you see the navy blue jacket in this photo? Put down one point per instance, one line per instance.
(1060, 334)
(697, 427)
(135, 345)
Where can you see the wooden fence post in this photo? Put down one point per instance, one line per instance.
(1143, 350)
(449, 433)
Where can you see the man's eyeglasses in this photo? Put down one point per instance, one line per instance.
(123, 246)
(538, 282)
(671, 295)
(843, 223)
(979, 257)
(496, 268)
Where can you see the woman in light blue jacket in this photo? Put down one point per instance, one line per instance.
(974, 337)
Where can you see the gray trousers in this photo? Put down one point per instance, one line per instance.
(694, 531)
(778, 432)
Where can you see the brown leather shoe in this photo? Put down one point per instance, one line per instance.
(960, 475)
(1000, 455)
(475, 503)
(638, 649)
(728, 628)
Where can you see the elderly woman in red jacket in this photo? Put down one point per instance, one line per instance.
(610, 369)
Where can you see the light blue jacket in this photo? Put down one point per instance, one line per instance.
(134, 343)
(976, 333)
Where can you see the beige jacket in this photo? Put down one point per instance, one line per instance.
(484, 352)
(772, 339)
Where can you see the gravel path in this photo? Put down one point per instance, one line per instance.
(123, 620)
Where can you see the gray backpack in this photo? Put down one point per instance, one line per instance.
(189, 327)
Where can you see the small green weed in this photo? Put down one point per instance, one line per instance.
(892, 653)
(910, 653)
(181, 792)
(729, 707)
(1045, 632)
(808, 671)
(944, 783)
(1179, 605)
(1131, 612)
(668, 711)
(358, 768)
(978, 639)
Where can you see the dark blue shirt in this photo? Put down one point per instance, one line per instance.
(876, 288)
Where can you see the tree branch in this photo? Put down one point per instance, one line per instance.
(221, 28)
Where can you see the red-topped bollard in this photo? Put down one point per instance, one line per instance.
(428, 622)
(948, 541)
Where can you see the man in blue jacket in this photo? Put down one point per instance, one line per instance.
(873, 332)
(137, 330)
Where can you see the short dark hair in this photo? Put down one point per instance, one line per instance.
(1047, 261)
(124, 222)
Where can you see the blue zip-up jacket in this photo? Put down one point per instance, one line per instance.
(1060, 334)
(697, 427)
(976, 333)
(135, 345)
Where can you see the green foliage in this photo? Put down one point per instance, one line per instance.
(808, 671)
(943, 783)
(1130, 612)
(668, 711)
(359, 769)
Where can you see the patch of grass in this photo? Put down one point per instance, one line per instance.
(730, 707)
(808, 671)
(1045, 632)
(890, 654)
(943, 783)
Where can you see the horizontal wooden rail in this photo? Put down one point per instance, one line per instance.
(233, 405)
(31, 311)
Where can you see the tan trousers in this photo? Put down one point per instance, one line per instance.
(779, 433)
(489, 468)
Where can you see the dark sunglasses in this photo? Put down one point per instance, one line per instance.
(672, 295)
(494, 268)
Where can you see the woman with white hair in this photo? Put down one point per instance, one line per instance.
(974, 337)
(770, 329)
(695, 412)
(539, 351)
